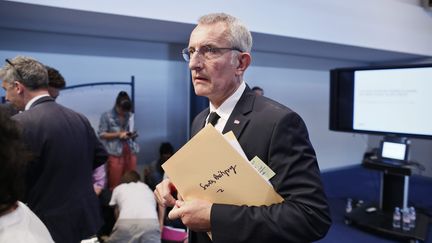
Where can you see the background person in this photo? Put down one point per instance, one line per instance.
(18, 224)
(258, 90)
(66, 151)
(218, 55)
(153, 173)
(118, 140)
(135, 210)
(56, 82)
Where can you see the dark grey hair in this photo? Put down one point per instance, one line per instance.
(28, 71)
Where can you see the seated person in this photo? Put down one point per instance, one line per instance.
(153, 173)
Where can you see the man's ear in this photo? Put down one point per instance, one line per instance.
(244, 60)
(19, 87)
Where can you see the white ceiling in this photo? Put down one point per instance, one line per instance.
(19, 17)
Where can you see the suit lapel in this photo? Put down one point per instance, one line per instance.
(239, 118)
(199, 122)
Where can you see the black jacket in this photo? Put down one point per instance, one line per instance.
(279, 137)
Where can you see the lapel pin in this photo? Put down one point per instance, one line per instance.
(236, 122)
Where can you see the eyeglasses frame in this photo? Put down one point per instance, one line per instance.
(16, 69)
(185, 51)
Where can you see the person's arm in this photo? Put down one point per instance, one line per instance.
(303, 216)
(113, 202)
(100, 155)
(105, 132)
(114, 135)
(99, 179)
(116, 212)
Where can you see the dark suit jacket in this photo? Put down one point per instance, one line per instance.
(59, 178)
(279, 137)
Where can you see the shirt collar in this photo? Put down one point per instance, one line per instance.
(224, 110)
(30, 103)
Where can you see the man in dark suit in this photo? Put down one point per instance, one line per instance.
(218, 55)
(65, 150)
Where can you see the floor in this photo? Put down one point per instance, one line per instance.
(359, 183)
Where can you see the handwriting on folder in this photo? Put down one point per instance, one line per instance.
(208, 167)
(231, 171)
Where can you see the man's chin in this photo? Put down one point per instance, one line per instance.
(201, 90)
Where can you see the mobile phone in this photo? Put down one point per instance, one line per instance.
(133, 134)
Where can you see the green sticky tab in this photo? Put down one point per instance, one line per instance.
(262, 168)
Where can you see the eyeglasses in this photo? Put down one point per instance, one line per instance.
(207, 52)
(16, 69)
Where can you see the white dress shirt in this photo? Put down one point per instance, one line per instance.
(225, 110)
(33, 100)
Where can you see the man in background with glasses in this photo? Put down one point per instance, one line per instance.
(65, 151)
(218, 55)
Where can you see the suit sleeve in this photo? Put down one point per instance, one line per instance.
(303, 216)
(100, 154)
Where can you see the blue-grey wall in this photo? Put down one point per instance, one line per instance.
(162, 91)
(161, 88)
(291, 58)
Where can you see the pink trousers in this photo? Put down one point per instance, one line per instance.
(118, 165)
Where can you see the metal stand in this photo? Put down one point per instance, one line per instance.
(394, 193)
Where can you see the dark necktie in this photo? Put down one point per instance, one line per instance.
(213, 118)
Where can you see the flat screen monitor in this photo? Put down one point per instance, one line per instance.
(394, 150)
(385, 100)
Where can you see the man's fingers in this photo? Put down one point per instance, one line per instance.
(175, 213)
(163, 193)
(179, 203)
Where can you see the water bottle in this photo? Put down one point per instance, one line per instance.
(348, 208)
(406, 219)
(396, 218)
(413, 217)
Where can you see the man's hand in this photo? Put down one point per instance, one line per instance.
(163, 193)
(195, 214)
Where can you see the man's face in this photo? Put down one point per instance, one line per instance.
(214, 78)
(12, 94)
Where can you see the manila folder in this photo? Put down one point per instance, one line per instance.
(208, 167)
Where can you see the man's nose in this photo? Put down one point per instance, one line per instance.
(196, 61)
